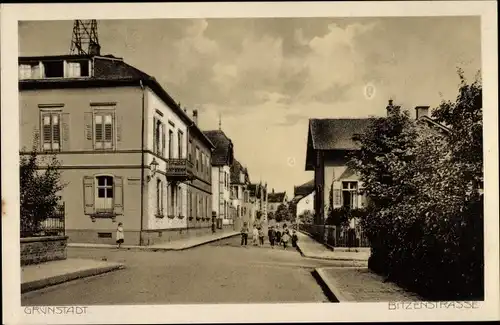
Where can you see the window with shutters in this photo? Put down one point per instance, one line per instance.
(180, 139)
(350, 194)
(190, 146)
(179, 200)
(104, 130)
(197, 159)
(159, 197)
(170, 144)
(51, 131)
(103, 196)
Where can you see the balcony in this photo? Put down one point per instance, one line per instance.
(179, 170)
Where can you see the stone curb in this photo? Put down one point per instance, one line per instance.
(58, 279)
(329, 286)
(330, 258)
(151, 248)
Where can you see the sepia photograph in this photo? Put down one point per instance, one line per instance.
(285, 161)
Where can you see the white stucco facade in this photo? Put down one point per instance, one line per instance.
(221, 199)
(305, 204)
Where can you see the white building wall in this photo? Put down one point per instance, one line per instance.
(154, 103)
(306, 203)
(215, 190)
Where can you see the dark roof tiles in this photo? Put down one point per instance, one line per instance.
(223, 152)
(336, 134)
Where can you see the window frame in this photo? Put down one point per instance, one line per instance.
(350, 187)
(51, 113)
(159, 198)
(103, 113)
(110, 210)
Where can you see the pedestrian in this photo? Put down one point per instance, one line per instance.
(119, 235)
(295, 239)
(261, 236)
(244, 234)
(255, 236)
(285, 239)
(278, 236)
(271, 235)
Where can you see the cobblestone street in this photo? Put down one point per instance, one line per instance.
(221, 272)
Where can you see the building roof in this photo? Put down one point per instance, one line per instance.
(109, 71)
(236, 170)
(304, 189)
(223, 152)
(333, 134)
(336, 134)
(433, 123)
(276, 197)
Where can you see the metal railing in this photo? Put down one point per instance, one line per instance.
(179, 168)
(52, 226)
(335, 236)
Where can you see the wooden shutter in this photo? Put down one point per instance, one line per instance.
(88, 195)
(154, 134)
(89, 132)
(118, 195)
(119, 126)
(65, 122)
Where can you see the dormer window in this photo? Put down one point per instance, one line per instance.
(29, 70)
(53, 69)
(77, 69)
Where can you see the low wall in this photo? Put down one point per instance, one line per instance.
(35, 250)
(333, 236)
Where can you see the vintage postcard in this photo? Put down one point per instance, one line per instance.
(249, 162)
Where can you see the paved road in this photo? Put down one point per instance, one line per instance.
(221, 272)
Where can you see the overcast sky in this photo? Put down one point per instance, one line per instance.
(267, 77)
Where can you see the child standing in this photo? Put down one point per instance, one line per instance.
(285, 239)
(244, 234)
(255, 236)
(295, 238)
(261, 236)
(271, 234)
(119, 235)
(278, 235)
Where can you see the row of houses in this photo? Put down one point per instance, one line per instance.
(329, 144)
(129, 153)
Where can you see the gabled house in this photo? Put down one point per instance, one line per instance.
(303, 198)
(240, 194)
(275, 199)
(122, 143)
(222, 160)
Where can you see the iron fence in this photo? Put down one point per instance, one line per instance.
(336, 236)
(52, 226)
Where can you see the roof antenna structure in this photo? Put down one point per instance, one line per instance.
(85, 40)
(220, 121)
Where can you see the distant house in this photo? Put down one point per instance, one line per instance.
(258, 198)
(222, 159)
(275, 199)
(303, 198)
(240, 193)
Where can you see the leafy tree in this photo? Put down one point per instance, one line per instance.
(270, 215)
(281, 213)
(38, 190)
(306, 217)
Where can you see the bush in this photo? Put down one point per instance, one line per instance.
(425, 217)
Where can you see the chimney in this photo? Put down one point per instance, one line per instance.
(391, 108)
(94, 49)
(195, 116)
(273, 190)
(422, 111)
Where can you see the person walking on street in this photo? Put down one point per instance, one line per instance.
(244, 234)
(285, 239)
(261, 236)
(120, 237)
(295, 239)
(255, 236)
(271, 235)
(278, 236)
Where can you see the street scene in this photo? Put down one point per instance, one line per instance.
(259, 160)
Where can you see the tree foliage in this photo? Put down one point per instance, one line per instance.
(281, 213)
(306, 217)
(39, 189)
(425, 212)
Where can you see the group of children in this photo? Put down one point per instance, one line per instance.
(275, 236)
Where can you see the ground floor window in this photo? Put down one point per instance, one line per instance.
(350, 194)
(103, 194)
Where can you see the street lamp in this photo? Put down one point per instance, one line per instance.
(153, 166)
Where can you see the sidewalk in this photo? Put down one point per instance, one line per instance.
(46, 274)
(360, 285)
(309, 247)
(176, 245)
